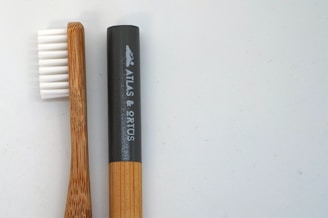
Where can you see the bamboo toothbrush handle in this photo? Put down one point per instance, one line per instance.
(78, 203)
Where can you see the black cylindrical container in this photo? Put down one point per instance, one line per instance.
(124, 93)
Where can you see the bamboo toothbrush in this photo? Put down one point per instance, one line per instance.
(124, 122)
(62, 73)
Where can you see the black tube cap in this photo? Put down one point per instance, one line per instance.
(123, 58)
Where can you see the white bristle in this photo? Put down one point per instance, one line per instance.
(52, 54)
(53, 70)
(55, 93)
(52, 46)
(52, 32)
(54, 85)
(53, 78)
(52, 39)
(53, 63)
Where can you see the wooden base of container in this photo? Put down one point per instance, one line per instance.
(125, 190)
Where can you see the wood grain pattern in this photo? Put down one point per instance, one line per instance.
(125, 190)
(78, 203)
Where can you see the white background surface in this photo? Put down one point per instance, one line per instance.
(234, 108)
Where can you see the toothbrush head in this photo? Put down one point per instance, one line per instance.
(53, 63)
